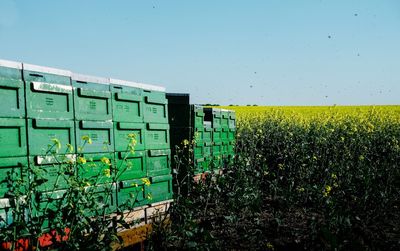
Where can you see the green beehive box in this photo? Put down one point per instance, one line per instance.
(157, 136)
(206, 163)
(198, 116)
(225, 118)
(198, 165)
(100, 133)
(127, 101)
(51, 172)
(155, 107)
(217, 149)
(160, 188)
(207, 132)
(12, 100)
(98, 168)
(131, 194)
(217, 135)
(232, 119)
(121, 132)
(207, 149)
(12, 137)
(130, 165)
(11, 170)
(158, 162)
(48, 92)
(225, 135)
(198, 151)
(42, 133)
(92, 98)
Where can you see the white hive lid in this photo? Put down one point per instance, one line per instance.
(92, 79)
(31, 67)
(137, 85)
(11, 64)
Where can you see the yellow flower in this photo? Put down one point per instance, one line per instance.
(300, 190)
(81, 160)
(87, 139)
(270, 246)
(333, 176)
(185, 142)
(327, 190)
(107, 172)
(146, 181)
(70, 148)
(134, 185)
(57, 143)
(106, 161)
(149, 196)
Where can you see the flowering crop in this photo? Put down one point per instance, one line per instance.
(339, 163)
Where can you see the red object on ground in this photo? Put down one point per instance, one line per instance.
(20, 245)
(46, 239)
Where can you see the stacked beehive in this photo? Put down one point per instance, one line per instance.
(65, 118)
(143, 114)
(210, 130)
(95, 137)
(187, 127)
(13, 149)
(223, 124)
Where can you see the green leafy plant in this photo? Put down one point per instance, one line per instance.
(66, 209)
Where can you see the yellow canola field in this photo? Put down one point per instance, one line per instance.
(307, 114)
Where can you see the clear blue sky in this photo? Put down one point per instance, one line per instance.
(228, 52)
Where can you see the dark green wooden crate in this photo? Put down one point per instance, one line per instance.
(130, 165)
(122, 130)
(92, 98)
(12, 87)
(12, 137)
(100, 133)
(49, 93)
(44, 134)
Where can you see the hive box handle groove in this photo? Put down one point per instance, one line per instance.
(11, 83)
(94, 124)
(158, 126)
(93, 93)
(152, 100)
(154, 153)
(127, 97)
(130, 126)
(42, 123)
(52, 88)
